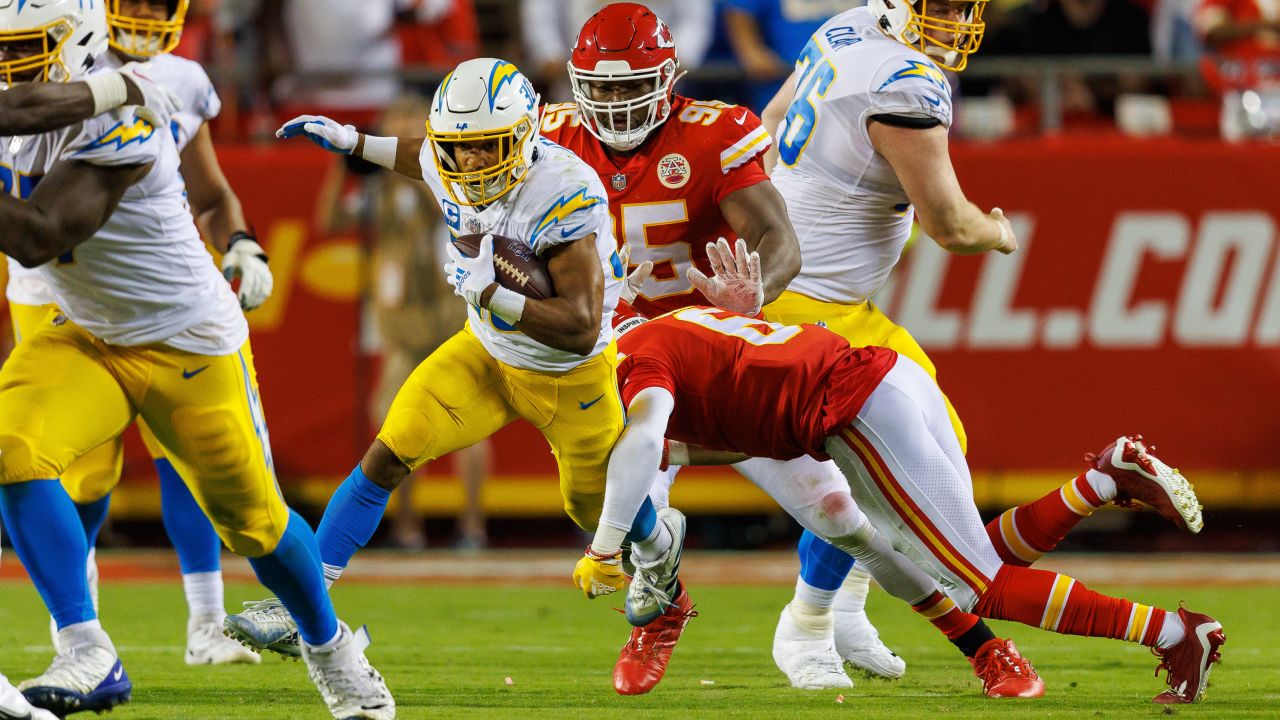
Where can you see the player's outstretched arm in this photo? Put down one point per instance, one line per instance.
(394, 153)
(72, 202)
(31, 108)
(758, 214)
(772, 116)
(922, 162)
(679, 453)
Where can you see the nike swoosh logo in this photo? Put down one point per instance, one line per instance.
(741, 118)
(585, 405)
(569, 231)
(936, 101)
(188, 374)
(120, 668)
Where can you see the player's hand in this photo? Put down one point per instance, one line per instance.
(631, 287)
(1008, 241)
(470, 277)
(246, 260)
(736, 285)
(597, 574)
(322, 131)
(156, 104)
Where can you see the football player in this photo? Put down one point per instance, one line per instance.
(861, 138)
(709, 378)
(146, 327)
(549, 361)
(141, 30)
(680, 173)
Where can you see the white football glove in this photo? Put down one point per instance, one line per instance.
(245, 259)
(470, 277)
(631, 287)
(158, 103)
(322, 131)
(736, 285)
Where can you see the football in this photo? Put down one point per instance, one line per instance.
(515, 265)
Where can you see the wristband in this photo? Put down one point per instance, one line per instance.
(109, 91)
(239, 235)
(507, 304)
(380, 150)
(666, 456)
(591, 552)
(677, 452)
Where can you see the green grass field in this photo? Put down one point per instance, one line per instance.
(447, 651)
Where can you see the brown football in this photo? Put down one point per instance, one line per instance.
(514, 264)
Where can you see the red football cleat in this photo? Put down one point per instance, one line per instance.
(1190, 661)
(1142, 477)
(643, 660)
(1004, 672)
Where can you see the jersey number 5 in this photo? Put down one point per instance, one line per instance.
(636, 220)
(815, 76)
(756, 332)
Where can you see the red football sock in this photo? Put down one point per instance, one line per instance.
(1025, 533)
(1061, 604)
(943, 613)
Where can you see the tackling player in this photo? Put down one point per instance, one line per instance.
(146, 328)
(715, 380)
(681, 173)
(548, 361)
(861, 128)
(142, 30)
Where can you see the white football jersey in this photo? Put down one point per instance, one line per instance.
(145, 276)
(845, 202)
(200, 103)
(559, 201)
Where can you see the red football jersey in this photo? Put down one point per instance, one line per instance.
(665, 197)
(748, 385)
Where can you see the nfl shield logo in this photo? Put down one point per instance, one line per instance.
(473, 225)
(619, 182)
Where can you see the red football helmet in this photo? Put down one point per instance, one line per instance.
(624, 43)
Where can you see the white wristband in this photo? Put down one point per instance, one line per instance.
(507, 304)
(608, 539)
(380, 150)
(677, 453)
(109, 91)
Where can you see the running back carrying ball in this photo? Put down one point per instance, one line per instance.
(516, 267)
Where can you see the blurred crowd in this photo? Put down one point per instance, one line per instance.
(275, 58)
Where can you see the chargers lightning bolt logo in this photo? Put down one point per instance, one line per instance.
(915, 68)
(502, 73)
(121, 134)
(563, 208)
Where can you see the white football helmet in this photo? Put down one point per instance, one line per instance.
(143, 37)
(482, 100)
(49, 40)
(908, 22)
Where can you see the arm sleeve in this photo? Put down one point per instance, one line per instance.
(116, 138)
(635, 457)
(743, 142)
(643, 373)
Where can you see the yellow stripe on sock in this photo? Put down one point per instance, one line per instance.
(1074, 500)
(940, 608)
(1009, 531)
(1057, 602)
(1138, 620)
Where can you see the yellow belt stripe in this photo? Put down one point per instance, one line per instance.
(922, 529)
(1009, 531)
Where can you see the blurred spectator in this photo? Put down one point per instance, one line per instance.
(414, 309)
(1076, 27)
(550, 28)
(438, 33)
(1173, 35)
(1246, 35)
(768, 35)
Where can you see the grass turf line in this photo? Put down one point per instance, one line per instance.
(447, 651)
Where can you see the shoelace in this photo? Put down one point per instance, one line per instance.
(666, 624)
(645, 585)
(1001, 659)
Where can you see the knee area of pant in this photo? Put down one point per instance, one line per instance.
(584, 513)
(213, 440)
(251, 542)
(838, 515)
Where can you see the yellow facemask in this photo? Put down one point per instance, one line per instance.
(44, 66)
(140, 38)
(483, 186)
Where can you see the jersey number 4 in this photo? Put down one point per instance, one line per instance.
(815, 76)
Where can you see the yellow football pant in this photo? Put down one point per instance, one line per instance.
(861, 324)
(64, 393)
(460, 395)
(96, 473)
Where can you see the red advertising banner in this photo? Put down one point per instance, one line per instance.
(1145, 298)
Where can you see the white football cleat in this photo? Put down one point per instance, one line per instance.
(86, 677)
(206, 645)
(13, 705)
(647, 599)
(265, 625)
(351, 688)
(858, 643)
(808, 659)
